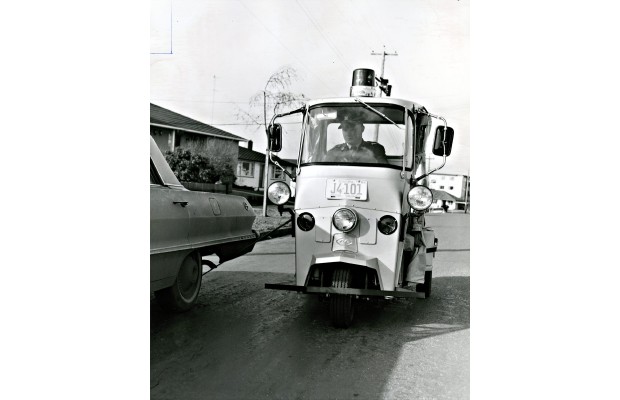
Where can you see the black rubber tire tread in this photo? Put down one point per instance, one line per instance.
(342, 307)
(170, 298)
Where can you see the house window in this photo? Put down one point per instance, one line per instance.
(245, 168)
(433, 180)
(276, 173)
(451, 187)
(440, 187)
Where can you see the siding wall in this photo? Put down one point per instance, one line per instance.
(254, 180)
(162, 138)
(457, 182)
(251, 181)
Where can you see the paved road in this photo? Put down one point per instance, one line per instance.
(246, 342)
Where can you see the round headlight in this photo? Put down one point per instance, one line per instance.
(420, 198)
(305, 221)
(279, 193)
(345, 219)
(387, 225)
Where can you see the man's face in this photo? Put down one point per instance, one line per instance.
(352, 133)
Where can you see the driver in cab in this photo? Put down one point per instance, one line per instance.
(355, 149)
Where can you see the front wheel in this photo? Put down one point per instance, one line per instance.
(182, 295)
(341, 307)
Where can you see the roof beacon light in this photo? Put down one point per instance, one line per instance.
(363, 84)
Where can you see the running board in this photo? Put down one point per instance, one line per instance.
(346, 291)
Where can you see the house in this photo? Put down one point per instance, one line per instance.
(251, 169)
(456, 186)
(441, 199)
(171, 130)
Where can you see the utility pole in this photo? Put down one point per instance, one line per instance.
(466, 191)
(213, 99)
(383, 61)
(425, 170)
(383, 54)
(266, 172)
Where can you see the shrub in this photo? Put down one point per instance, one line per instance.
(194, 167)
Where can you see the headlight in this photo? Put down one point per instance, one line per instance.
(279, 193)
(387, 225)
(345, 219)
(305, 221)
(420, 198)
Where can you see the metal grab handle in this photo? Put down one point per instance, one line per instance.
(182, 203)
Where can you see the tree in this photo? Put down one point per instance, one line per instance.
(275, 96)
(272, 99)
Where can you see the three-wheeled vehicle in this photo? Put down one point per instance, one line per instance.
(358, 218)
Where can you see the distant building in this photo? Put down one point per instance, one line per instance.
(251, 169)
(455, 185)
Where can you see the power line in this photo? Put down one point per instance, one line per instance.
(286, 48)
(254, 124)
(213, 107)
(329, 43)
(202, 101)
(366, 23)
(353, 26)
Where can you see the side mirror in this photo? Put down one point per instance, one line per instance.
(274, 135)
(443, 134)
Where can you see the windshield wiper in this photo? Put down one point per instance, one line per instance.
(378, 112)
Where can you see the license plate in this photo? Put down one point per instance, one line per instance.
(353, 189)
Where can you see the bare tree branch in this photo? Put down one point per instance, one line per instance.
(248, 117)
(273, 97)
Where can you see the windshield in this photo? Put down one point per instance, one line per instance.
(353, 134)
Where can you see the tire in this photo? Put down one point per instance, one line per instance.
(182, 295)
(341, 307)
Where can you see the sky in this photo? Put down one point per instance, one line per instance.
(209, 57)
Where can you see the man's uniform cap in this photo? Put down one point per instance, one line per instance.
(351, 117)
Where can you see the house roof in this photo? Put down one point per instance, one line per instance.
(163, 117)
(441, 195)
(251, 155)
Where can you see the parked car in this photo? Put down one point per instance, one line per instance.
(186, 226)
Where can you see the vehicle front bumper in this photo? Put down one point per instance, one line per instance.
(345, 291)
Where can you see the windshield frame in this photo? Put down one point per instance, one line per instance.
(408, 126)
